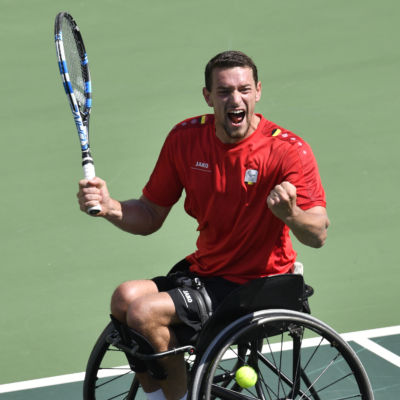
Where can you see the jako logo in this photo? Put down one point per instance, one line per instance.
(188, 297)
(201, 164)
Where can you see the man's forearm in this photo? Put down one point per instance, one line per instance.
(134, 216)
(310, 226)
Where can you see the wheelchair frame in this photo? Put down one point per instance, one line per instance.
(295, 355)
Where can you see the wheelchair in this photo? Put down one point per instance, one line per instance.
(264, 324)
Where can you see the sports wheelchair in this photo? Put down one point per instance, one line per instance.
(264, 324)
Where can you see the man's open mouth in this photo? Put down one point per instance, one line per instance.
(236, 116)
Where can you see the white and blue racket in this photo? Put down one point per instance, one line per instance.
(74, 70)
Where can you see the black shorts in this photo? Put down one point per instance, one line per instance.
(185, 298)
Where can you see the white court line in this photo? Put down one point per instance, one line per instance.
(37, 383)
(372, 333)
(360, 337)
(379, 350)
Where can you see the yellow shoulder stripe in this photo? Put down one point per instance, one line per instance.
(277, 132)
(203, 119)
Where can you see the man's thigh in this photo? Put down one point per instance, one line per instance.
(154, 309)
(189, 312)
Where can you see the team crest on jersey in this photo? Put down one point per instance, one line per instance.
(251, 176)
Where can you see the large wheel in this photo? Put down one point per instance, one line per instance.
(108, 375)
(294, 355)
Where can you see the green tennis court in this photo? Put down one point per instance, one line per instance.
(330, 74)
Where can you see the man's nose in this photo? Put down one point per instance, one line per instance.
(235, 97)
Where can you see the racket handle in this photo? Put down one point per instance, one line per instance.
(89, 173)
(94, 210)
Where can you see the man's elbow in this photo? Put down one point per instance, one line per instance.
(320, 238)
(155, 216)
(151, 228)
(319, 241)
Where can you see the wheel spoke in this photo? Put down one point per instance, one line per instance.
(295, 356)
(113, 379)
(228, 394)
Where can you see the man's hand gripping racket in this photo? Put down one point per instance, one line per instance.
(74, 70)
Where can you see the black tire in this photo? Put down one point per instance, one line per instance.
(108, 375)
(326, 367)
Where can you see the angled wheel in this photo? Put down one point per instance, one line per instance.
(108, 375)
(294, 355)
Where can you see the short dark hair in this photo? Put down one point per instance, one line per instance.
(229, 59)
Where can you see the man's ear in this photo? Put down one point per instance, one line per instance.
(258, 91)
(207, 97)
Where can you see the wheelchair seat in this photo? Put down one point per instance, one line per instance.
(278, 291)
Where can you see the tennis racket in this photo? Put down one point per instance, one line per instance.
(74, 70)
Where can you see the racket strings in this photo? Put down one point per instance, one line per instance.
(76, 61)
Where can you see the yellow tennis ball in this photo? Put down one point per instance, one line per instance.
(246, 377)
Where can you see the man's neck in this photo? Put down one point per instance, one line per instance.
(227, 138)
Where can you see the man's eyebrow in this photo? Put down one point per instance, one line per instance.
(228, 87)
(224, 86)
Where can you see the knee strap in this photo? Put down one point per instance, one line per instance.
(204, 303)
(188, 280)
(131, 338)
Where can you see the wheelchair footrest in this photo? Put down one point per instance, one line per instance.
(139, 351)
(133, 350)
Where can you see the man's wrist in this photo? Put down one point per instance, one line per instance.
(114, 211)
(292, 218)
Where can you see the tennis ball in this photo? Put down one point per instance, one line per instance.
(246, 377)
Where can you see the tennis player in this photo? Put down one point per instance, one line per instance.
(247, 181)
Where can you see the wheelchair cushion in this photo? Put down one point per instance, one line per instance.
(285, 291)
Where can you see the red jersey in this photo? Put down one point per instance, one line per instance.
(227, 186)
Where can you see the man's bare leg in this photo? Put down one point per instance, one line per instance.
(144, 309)
(152, 316)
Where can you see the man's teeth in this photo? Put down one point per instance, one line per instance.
(236, 116)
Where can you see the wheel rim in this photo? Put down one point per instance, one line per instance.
(327, 368)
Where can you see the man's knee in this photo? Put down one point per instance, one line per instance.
(128, 292)
(120, 300)
(148, 313)
(140, 313)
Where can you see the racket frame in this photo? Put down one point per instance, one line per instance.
(81, 116)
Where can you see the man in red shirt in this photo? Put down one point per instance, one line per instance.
(247, 182)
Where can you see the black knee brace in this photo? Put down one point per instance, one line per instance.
(134, 340)
(188, 280)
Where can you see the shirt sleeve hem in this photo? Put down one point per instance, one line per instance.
(154, 200)
(307, 206)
